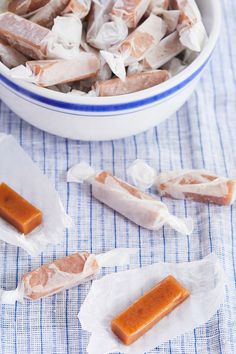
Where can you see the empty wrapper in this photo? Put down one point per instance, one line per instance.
(139, 207)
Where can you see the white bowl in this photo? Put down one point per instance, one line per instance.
(106, 118)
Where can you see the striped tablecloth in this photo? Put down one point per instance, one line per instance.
(201, 135)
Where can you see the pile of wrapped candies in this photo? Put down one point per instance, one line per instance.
(99, 47)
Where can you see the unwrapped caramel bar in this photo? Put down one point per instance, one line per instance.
(148, 310)
(17, 211)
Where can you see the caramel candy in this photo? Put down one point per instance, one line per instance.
(18, 211)
(10, 56)
(58, 71)
(46, 14)
(132, 83)
(148, 310)
(130, 11)
(163, 52)
(79, 7)
(197, 185)
(61, 274)
(24, 35)
(23, 7)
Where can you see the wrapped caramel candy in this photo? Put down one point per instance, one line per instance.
(10, 56)
(139, 207)
(64, 273)
(80, 8)
(132, 83)
(163, 52)
(58, 71)
(46, 14)
(130, 11)
(197, 185)
(25, 36)
(23, 7)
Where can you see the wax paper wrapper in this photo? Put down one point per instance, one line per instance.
(113, 293)
(65, 273)
(140, 208)
(20, 173)
(199, 185)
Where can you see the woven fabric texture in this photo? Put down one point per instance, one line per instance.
(200, 135)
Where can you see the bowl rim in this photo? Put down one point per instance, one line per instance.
(122, 102)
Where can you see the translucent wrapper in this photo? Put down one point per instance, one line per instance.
(157, 5)
(80, 8)
(174, 66)
(68, 30)
(25, 36)
(10, 56)
(21, 174)
(52, 72)
(132, 83)
(205, 279)
(3, 5)
(136, 45)
(171, 19)
(105, 30)
(163, 51)
(191, 29)
(197, 185)
(35, 41)
(131, 12)
(46, 14)
(139, 207)
(64, 273)
(23, 7)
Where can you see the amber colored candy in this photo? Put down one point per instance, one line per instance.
(149, 309)
(18, 211)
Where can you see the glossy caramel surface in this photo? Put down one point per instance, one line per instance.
(149, 309)
(17, 211)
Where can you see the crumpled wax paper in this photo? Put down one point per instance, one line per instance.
(20, 173)
(205, 279)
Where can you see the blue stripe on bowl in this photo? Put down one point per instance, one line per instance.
(102, 108)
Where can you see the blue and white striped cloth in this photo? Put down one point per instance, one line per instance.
(201, 135)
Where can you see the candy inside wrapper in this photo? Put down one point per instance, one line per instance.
(197, 185)
(132, 203)
(64, 273)
(21, 174)
(204, 279)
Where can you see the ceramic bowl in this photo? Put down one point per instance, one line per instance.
(106, 118)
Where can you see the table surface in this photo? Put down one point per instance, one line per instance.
(200, 135)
